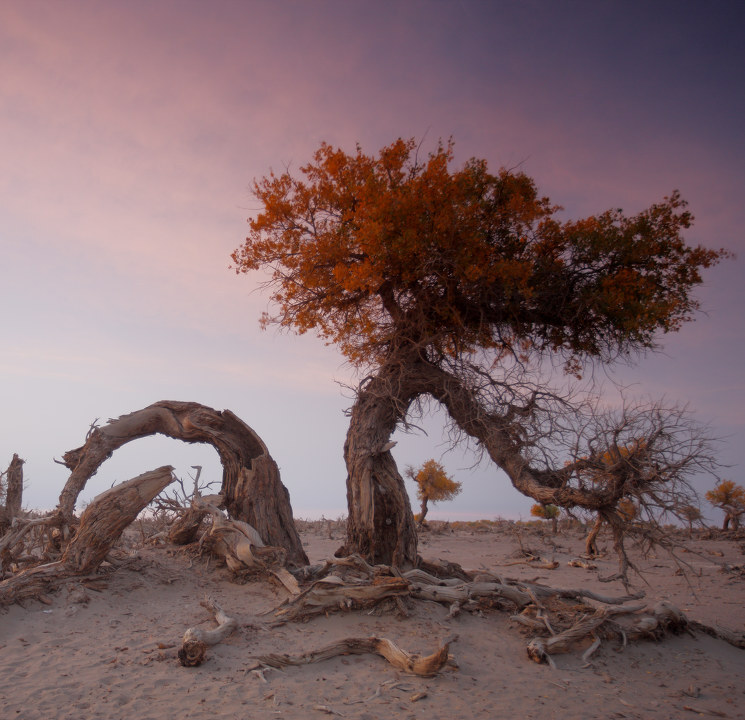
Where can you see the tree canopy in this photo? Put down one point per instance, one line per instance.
(375, 251)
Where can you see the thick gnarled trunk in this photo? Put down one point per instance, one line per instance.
(380, 526)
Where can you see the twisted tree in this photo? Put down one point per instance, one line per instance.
(252, 490)
(446, 283)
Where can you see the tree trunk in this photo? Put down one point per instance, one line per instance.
(251, 486)
(108, 514)
(423, 510)
(380, 525)
(13, 492)
(101, 525)
(591, 547)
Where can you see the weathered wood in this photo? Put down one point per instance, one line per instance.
(645, 622)
(332, 594)
(185, 529)
(251, 486)
(101, 525)
(105, 518)
(591, 545)
(13, 489)
(196, 640)
(380, 524)
(470, 591)
(424, 666)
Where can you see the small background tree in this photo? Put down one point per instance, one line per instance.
(433, 485)
(691, 514)
(730, 498)
(547, 512)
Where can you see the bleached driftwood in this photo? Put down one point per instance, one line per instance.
(196, 640)
(422, 665)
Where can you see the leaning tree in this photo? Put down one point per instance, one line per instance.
(446, 283)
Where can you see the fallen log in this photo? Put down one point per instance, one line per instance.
(101, 525)
(422, 665)
(332, 593)
(470, 591)
(647, 622)
(196, 640)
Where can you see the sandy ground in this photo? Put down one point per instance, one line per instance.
(112, 653)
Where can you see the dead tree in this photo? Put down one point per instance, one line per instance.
(13, 492)
(101, 525)
(252, 490)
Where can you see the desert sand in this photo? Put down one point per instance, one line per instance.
(110, 652)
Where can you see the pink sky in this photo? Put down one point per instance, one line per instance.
(129, 135)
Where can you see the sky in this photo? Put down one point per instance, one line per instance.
(130, 133)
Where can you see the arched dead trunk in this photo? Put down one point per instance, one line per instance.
(251, 486)
(380, 525)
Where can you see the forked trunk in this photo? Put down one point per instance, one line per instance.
(380, 526)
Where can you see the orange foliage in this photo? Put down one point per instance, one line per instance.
(433, 483)
(729, 497)
(547, 512)
(370, 251)
(727, 493)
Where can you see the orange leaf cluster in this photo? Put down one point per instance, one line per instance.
(373, 252)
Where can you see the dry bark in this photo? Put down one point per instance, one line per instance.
(185, 529)
(105, 518)
(591, 546)
(251, 486)
(14, 488)
(332, 593)
(101, 525)
(380, 524)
